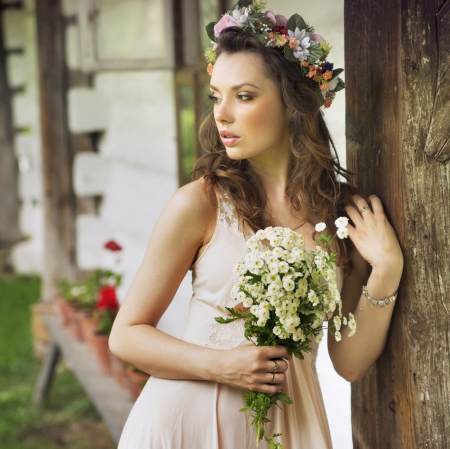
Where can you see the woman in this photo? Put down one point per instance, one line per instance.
(269, 164)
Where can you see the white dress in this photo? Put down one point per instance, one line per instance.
(192, 414)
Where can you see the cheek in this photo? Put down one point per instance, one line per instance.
(266, 121)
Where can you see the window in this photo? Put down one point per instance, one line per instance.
(125, 34)
(191, 78)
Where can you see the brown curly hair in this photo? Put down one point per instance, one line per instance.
(313, 186)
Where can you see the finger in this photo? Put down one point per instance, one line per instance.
(359, 201)
(377, 205)
(274, 378)
(269, 388)
(275, 352)
(270, 366)
(354, 215)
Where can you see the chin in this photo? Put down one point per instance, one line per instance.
(234, 153)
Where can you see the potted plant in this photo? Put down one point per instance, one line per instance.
(106, 310)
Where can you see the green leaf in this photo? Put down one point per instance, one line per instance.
(315, 52)
(294, 22)
(337, 72)
(222, 320)
(340, 85)
(284, 398)
(210, 31)
(289, 54)
(242, 4)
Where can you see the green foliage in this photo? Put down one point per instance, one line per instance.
(106, 322)
(315, 52)
(289, 54)
(296, 21)
(210, 30)
(258, 405)
(68, 419)
(85, 294)
(340, 85)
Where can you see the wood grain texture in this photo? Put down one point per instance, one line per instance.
(57, 153)
(392, 64)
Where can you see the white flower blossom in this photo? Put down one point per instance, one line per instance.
(261, 234)
(341, 222)
(320, 227)
(283, 267)
(342, 233)
(247, 303)
(301, 51)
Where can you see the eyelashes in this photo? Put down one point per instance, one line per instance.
(241, 97)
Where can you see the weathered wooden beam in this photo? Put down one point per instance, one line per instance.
(46, 375)
(57, 153)
(393, 74)
(9, 195)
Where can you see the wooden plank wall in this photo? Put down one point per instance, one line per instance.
(397, 143)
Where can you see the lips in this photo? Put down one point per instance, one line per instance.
(228, 138)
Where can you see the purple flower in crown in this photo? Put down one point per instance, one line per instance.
(316, 37)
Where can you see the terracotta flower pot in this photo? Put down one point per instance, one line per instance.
(118, 370)
(136, 382)
(88, 325)
(74, 322)
(99, 343)
(63, 309)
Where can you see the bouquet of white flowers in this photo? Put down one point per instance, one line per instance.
(288, 292)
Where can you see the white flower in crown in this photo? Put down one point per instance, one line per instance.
(299, 43)
(241, 16)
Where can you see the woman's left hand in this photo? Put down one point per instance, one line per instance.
(373, 236)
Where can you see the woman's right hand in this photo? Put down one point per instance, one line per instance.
(251, 368)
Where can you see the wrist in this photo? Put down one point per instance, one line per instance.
(382, 284)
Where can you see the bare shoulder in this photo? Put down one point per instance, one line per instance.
(195, 201)
(191, 211)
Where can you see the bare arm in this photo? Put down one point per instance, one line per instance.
(377, 246)
(186, 224)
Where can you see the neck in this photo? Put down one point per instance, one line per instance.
(273, 173)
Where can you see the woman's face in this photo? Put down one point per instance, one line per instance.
(248, 111)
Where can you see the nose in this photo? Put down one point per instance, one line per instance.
(223, 112)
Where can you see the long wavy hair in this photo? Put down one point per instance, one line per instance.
(313, 186)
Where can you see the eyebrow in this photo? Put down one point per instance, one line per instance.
(237, 86)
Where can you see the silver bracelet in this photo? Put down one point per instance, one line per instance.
(380, 302)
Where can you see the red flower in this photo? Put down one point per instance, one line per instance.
(112, 245)
(280, 29)
(107, 298)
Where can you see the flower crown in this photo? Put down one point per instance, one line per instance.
(297, 39)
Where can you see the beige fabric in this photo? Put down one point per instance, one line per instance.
(204, 415)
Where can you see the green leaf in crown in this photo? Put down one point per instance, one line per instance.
(289, 54)
(296, 21)
(315, 52)
(210, 31)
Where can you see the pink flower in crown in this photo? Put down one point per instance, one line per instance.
(278, 20)
(225, 22)
(316, 37)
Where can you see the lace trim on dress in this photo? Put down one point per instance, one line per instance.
(228, 215)
(225, 336)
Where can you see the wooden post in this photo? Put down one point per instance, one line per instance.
(398, 127)
(9, 195)
(57, 154)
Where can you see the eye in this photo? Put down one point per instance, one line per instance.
(244, 97)
(213, 98)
